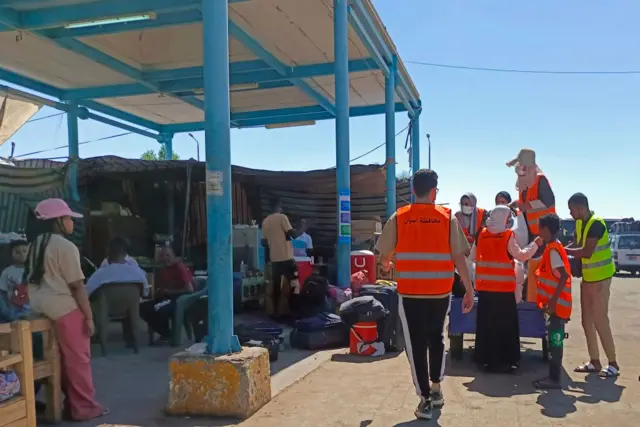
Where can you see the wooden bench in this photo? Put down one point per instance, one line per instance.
(47, 370)
(20, 410)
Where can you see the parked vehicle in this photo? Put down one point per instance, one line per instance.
(625, 247)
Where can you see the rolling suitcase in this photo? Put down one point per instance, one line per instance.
(391, 332)
(322, 331)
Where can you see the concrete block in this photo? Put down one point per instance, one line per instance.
(235, 385)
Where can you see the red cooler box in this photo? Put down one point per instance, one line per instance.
(305, 268)
(364, 261)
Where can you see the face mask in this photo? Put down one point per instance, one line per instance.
(467, 210)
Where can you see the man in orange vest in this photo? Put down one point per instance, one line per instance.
(553, 278)
(536, 197)
(429, 244)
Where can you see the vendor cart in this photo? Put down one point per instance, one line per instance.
(531, 319)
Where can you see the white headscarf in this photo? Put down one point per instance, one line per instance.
(497, 222)
(469, 221)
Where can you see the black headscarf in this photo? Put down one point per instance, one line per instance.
(505, 195)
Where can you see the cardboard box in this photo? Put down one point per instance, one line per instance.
(381, 274)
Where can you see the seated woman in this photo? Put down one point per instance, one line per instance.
(172, 281)
(127, 259)
(118, 270)
(497, 329)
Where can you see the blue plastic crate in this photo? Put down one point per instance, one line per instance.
(531, 319)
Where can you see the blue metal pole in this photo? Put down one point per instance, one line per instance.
(343, 179)
(415, 148)
(74, 150)
(215, 32)
(390, 127)
(166, 139)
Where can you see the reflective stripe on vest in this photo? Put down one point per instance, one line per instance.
(547, 283)
(600, 265)
(533, 215)
(424, 265)
(495, 270)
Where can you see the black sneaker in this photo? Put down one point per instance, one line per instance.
(437, 399)
(424, 411)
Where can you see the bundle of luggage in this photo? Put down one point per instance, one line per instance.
(373, 320)
(263, 334)
(625, 226)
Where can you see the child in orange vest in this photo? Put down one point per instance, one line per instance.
(553, 278)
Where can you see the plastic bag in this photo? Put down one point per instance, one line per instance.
(520, 231)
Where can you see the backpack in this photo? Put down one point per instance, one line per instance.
(20, 295)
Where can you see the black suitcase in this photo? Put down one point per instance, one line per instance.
(392, 334)
(319, 332)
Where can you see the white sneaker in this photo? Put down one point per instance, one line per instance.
(424, 411)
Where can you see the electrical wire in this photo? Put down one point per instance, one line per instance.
(80, 143)
(45, 117)
(522, 71)
(377, 147)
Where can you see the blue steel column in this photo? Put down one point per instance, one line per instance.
(343, 179)
(390, 127)
(215, 31)
(166, 139)
(74, 149)
(415, 148)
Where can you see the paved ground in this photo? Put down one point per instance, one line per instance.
(358, 392)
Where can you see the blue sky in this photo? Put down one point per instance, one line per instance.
(583, 128)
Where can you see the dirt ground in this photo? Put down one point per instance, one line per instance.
(361, 392)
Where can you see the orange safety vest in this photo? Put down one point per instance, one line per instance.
(424, 265)
(533, 215)
(547, 283)
(495, 268)
(479, 219)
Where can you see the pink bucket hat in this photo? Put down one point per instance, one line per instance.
(54, 208)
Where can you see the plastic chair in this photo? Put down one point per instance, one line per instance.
(183, 303)
(119, 302)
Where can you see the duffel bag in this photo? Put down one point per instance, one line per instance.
(361, 309)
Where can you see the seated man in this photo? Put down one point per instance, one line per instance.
(172, 281)
(117, 269)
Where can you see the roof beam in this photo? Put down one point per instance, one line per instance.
(403, 88)
(191, 78)
(254, 46)
(283, 115)
(59, 16)
(101, 58)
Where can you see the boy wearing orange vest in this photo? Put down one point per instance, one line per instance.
(553, 278)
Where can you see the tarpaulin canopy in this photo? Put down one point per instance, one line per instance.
(14, 113)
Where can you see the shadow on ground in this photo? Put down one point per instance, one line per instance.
(352, 358)
(134, 387)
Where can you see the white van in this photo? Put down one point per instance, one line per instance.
(626, 251)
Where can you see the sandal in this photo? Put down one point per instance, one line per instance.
(587, 368)
(609, 372)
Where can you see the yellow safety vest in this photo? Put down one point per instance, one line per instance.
(600, 266)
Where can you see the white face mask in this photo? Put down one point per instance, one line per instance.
(467, 210)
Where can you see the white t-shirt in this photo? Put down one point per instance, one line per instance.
(556, 261)
(304, 237)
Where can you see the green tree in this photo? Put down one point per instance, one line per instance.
(160, 155)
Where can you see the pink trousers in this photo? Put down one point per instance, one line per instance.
(75, 354)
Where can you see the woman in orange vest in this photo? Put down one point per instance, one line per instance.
(497, 331)
(536, 197)
(553, 278)
(470, 217)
